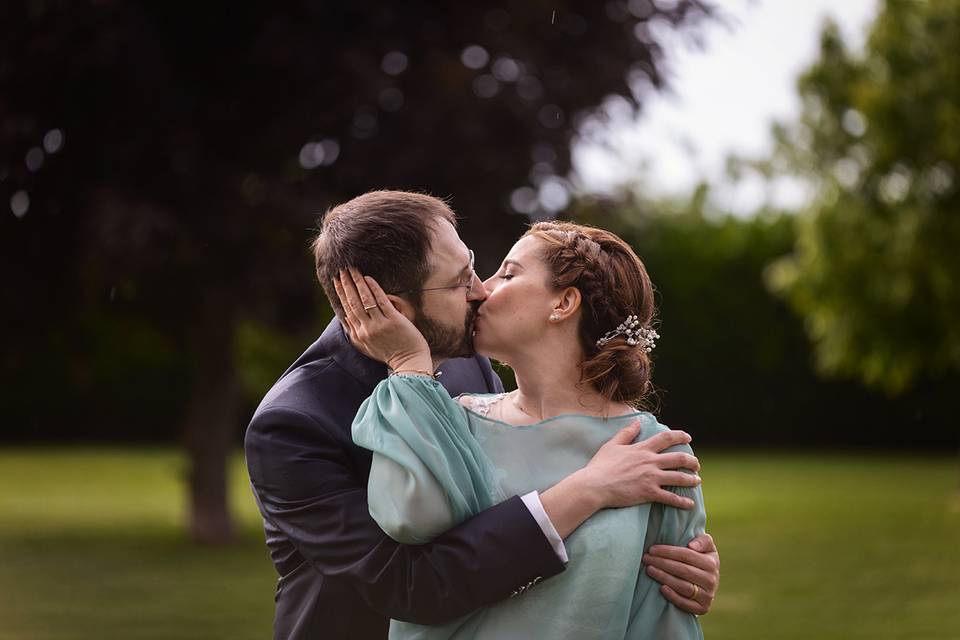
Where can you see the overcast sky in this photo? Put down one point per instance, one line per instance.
(723, 100)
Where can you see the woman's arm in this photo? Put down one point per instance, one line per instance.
(428, 472)
(653, 615)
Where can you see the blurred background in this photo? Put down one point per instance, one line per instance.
(787, 171)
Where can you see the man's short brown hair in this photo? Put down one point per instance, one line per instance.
(384, 234)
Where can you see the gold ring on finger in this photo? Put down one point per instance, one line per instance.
(373, 306)
(696, 590)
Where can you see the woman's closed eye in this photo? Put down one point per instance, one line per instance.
(507, 276)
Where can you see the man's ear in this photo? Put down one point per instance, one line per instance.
(403, 306)
(567, 304)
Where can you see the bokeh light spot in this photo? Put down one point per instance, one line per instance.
(553, 194)
(34, 159)
(474, 57)
(506, 69)
(523, 200)
(20, 203)
(394, 63)
(529, 88)
(317, 154)
(854, 123)
(53, 141)
(365, 124)
(486, 86)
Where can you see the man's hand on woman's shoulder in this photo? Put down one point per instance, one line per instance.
(623, 473)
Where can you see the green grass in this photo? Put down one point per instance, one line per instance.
(813, 546)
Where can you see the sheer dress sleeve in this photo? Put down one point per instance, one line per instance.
(428, 472)
(652, 613)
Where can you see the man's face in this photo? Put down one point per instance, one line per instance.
(446, 315)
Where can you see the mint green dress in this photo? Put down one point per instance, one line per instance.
(436, 463)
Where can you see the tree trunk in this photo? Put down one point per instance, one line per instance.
(211, 423)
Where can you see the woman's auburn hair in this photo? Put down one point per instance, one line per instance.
(613, 284)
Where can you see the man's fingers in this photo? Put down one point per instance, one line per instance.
(678, 460)
(688, 605)
(677, 584)
(681, 555)
(704, 544)
(671, 499)
(678, 479)
(688, 573)
(665, 440)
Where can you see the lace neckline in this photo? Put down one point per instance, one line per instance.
(481, 405)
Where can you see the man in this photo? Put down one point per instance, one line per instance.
(340, 575)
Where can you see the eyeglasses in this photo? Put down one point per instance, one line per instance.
(468, 286)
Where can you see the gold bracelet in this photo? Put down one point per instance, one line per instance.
(435, 375)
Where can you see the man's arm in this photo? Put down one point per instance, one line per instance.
(307, 487)
(676, 568)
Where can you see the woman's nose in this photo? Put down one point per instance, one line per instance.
(489, 284)
(478, 289)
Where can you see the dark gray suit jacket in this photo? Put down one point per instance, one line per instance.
(340, 575)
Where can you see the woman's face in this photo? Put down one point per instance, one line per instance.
(519, 302)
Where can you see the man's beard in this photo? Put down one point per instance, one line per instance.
(446, 341)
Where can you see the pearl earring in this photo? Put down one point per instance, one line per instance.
(554, 316)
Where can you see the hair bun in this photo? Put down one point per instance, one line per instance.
(620, 372)
(614, 286)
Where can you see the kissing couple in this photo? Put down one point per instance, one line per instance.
(405, 495)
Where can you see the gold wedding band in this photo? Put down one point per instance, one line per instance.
(371, 307)
(696, 590)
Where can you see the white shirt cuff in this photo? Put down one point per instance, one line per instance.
(532, 501)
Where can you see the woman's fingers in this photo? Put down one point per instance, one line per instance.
(350, 298)
(347, 311)
(380, 296)
(367, 301)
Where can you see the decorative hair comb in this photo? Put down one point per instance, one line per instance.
(644, 337)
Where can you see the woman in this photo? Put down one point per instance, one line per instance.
(570, 311)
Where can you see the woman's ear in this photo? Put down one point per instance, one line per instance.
(566, 305)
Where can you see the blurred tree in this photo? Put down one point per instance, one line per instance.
(733, 365)
(876, 268)
(164, 165)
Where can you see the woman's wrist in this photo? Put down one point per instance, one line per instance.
(423, 373)
(418, 363)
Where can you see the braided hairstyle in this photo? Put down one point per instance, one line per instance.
(613, 284)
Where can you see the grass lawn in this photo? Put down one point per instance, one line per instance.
(813, 546)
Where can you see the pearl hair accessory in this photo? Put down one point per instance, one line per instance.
(644, 337)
